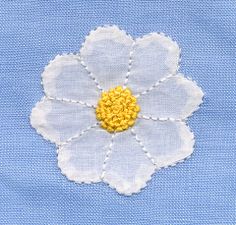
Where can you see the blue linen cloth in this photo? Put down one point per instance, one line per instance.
(200, 191)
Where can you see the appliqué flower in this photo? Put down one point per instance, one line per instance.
(117, 110)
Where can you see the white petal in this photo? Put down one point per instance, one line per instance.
(81, 160)
(58, 121)
(128, 168)
(154, 57)
(106, 54)
(65, 77)
(167, 142)
(175, 98)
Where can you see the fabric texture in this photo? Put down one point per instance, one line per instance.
(109, 57)
(199, 191)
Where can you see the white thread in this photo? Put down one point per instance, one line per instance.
(168, 76)
(160, 118)
(130, 63)
(155, 85)
(174, 164)
(90, 74)
(65, 99)
(107, 157)
(70, 101)
(77, 135)
(149, 156)
(143, 147)
(86, 67)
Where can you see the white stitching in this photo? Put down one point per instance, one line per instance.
(143, 147)
(107, 156)
(84, 64)
(61, 144)
(141, 116)
(86, 67)
(90, 74)
(160, 118)
(77, 57)
(149, 156)
(168, 76)
(155, 85)
(70, 101)
(130, 63)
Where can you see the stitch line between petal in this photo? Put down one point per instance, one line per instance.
(155, 85)
(107, 156)
(78, 135)
(152, 159)
(160, 118)
(168, 76)
(130, 63)
(90, 74)
(70, 101)
(65, 139)
(143, 147)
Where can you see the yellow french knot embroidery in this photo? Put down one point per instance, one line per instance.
(117, 109)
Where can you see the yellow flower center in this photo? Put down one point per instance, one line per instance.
(117, 109)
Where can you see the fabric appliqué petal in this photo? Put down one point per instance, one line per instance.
(117, 110)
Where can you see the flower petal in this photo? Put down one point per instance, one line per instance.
(127, 168)
(106, 54)
(81, 159)
(154, 57)
(58, 121)
(175, 98)
(167, 142)
(65, 77)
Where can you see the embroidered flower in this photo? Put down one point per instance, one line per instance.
(117, 110)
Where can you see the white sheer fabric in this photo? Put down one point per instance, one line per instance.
(65, 77)
(58, 121)
(81, 159)
(167, 142)
(176, 97)
(154, 58)
(128, 168)
(106, 53)
(160, 138)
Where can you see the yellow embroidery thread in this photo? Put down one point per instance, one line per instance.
(117, 109)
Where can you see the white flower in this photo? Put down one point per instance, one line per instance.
(138, 142)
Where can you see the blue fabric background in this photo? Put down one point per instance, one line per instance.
(200, 191)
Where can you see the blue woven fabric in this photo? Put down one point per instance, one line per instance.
(199, 191)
